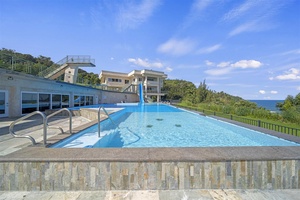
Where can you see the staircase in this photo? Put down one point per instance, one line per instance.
(129, 88)
(68, 65)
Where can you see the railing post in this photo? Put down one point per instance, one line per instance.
(45, 124)
(231, 117)
(258, 123)
(11, 127)
(99, 121)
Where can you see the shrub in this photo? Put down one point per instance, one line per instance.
(292, 115)
(227, 109)
(242, 111)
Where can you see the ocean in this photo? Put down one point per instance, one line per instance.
(268, 104)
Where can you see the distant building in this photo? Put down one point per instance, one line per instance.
(152, 82)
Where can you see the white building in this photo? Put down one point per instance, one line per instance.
(152, 82)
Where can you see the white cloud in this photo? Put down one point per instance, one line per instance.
(130, 15)
(291, 74)
(227, 67)
(295, 51)
(247, 64)
(209, 49)
(196, 11)
(200, 4)
(274, 92)
(209, 63)
(218, 71)
(239, 11)
(254, 15)
(145, 63)
(246, 27)
(262, 91)
(223, 64)
(177, 47)
(168, 69)
(298, 88)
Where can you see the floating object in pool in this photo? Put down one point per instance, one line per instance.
(177, 125)
(159, 119)
(149, 126)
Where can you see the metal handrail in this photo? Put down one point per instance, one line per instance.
(67, 60)
(59, 111)
(107, 117)
(11, 127)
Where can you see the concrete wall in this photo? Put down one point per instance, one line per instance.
(118, 97)
(16, 83)
(68, 175)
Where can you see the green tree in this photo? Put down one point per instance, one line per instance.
(202, 92)
(179, 90)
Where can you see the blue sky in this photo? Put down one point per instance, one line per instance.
(247, 48)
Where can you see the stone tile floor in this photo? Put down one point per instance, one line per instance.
(154, 195)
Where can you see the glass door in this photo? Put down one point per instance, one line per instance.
(3, 103)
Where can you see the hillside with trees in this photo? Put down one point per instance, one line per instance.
(202, 97)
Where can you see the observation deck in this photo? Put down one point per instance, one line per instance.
(68, 66)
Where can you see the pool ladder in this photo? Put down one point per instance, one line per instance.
(105, 111)
(45, 125)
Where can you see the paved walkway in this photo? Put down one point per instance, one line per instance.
(8, 144)
(155, 195)
(33, 127)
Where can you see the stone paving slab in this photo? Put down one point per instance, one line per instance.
(155, 195)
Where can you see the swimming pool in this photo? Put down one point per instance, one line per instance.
(160, 125)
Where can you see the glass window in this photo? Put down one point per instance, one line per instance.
(76, 100)
(79, 100)
(82, 100)
(2, 102)
(126, 81)
(89, 100)
(115, 80)
(56, 101)
(65, 101)
(44, 102)
(151, 79)
(29, 102)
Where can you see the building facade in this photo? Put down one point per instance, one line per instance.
(21, 94)
(151, 80)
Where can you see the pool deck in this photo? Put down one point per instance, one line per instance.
(154, 195)
(15, 149)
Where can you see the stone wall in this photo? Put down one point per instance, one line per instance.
(58, 176)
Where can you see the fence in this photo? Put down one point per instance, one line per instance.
(254, 122)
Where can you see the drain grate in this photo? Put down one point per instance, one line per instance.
(149, 126)
(177, 125)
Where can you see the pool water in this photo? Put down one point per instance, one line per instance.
(159, 125)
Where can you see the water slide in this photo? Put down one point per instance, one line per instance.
(141, 93)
